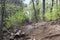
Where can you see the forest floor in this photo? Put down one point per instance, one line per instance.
(38, 31)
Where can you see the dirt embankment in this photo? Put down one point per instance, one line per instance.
(47, 30)
(41, 31)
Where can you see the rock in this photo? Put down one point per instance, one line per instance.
(17, 34)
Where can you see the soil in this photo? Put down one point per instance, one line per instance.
(38, 31)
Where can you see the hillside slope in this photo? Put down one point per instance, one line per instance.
(39, 31)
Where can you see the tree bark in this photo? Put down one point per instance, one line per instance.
(52, 6)
(35, 16)
(57, 4)
(2, 18)
(37, 10)
(43, 10)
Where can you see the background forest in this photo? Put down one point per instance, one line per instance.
(18, 12)
(15, 13)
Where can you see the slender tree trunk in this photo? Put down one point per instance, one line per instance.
(43, 10)
(2, 18)
(57, 4)
(37, 3)
(35, 16)
(51, 9)
(52, 6)
(37, 9)
(21, 4)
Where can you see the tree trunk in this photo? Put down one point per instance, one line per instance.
(43, 10)
(37, 4)
(57, 4)
(2, 18)
(37, 9)
(35, 16)
(52, 6)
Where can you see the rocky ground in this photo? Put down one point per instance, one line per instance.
(39, 31)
